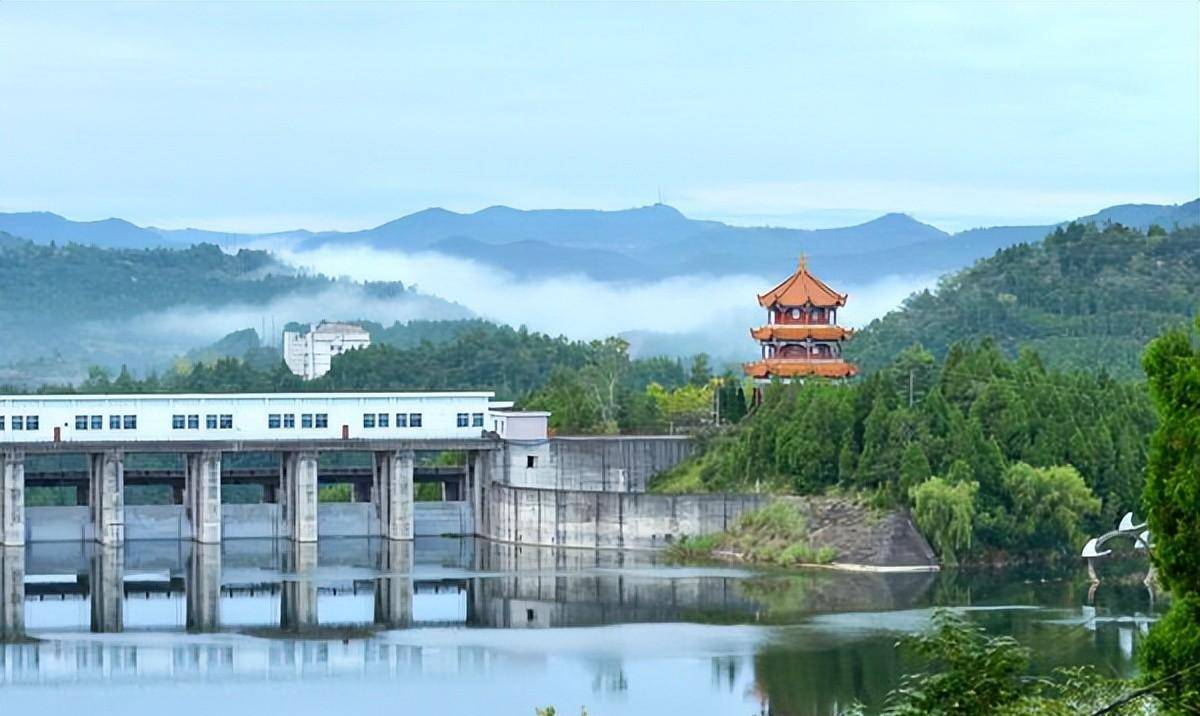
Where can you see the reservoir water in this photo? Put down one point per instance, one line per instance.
(459, 626)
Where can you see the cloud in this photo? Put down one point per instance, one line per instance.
(584, 308)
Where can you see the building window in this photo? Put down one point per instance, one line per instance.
(402, 420)
(177, 422)
(306, 420)
(81, 422)
(289, 420)
(463, 420)
(18, 422)
(477, 420)
(31, 422)
(129, 422)
(322, 420)
(1, 422)
(226, 422)
(210, 422)
(273, 421)
(414, 420)
(531, 461)
(97, 422)
(114, 422)
(368, 420)
(193, 422)
(383, 420)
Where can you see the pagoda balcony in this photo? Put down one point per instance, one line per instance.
(794, 332)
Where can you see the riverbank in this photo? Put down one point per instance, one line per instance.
(830, 532)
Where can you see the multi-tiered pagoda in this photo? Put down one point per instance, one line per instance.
(801, 337)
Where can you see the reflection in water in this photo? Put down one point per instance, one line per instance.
(346, 610)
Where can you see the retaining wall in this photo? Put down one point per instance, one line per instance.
(606, 519)
(597, 464)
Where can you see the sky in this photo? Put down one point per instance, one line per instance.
(260, 117)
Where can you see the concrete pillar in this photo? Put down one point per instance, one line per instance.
(107, 582)
(394, 470)
(12, 501)
(202, 494)
(479, 474)
(107, 477)
(203, 588)
(12, 593)
(394, 588)
(300, 495)
(298, 598)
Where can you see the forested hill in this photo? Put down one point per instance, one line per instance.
(1086, 297)
(69, 306)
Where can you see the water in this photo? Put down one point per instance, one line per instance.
(449, 626)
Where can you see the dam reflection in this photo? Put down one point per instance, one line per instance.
(794, 643)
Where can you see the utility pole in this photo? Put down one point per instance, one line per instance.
(910, 387)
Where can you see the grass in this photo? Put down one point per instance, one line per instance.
(776, 534)
(683, 478)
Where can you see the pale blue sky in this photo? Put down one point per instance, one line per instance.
(273, 116)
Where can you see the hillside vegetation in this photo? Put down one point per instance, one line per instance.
(1085, 297)
(990, 453)
(66, 306)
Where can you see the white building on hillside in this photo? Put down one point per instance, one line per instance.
(309, 355)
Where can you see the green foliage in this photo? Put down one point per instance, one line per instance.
(774, 534)
(971, 418)
(1171, 656)
(1086, 297)
(1172, 498)
(341, 492)
(1047, 505)
(944, 510)
(968, 673)
(687, 405)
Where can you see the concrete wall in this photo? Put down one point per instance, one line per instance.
(606, 520)
(599, 464)
(433, 519)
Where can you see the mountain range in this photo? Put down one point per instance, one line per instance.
(642, 243)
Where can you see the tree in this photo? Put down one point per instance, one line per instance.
(1172, 496)
(945, 512)
(1047, 505)
(914, 467)
(701, 373)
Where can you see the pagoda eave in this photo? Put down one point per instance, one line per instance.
(784, 368)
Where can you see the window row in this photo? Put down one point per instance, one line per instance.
(21, 422)
(307, 420)
(476, 420)
(382, 420)
(211, 422)
(115, 422)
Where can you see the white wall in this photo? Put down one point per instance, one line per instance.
(439, 413)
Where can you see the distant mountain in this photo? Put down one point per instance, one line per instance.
(636, 244)
(1142, 216)
(44, 227)
(1089, 296)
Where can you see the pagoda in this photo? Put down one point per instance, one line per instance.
(801, 337)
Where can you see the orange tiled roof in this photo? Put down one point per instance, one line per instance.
(802, 288)
(792, 332)
(790, 368)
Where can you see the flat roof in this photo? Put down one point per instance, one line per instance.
(243, 396)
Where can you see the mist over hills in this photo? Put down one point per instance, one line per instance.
(110, 292)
